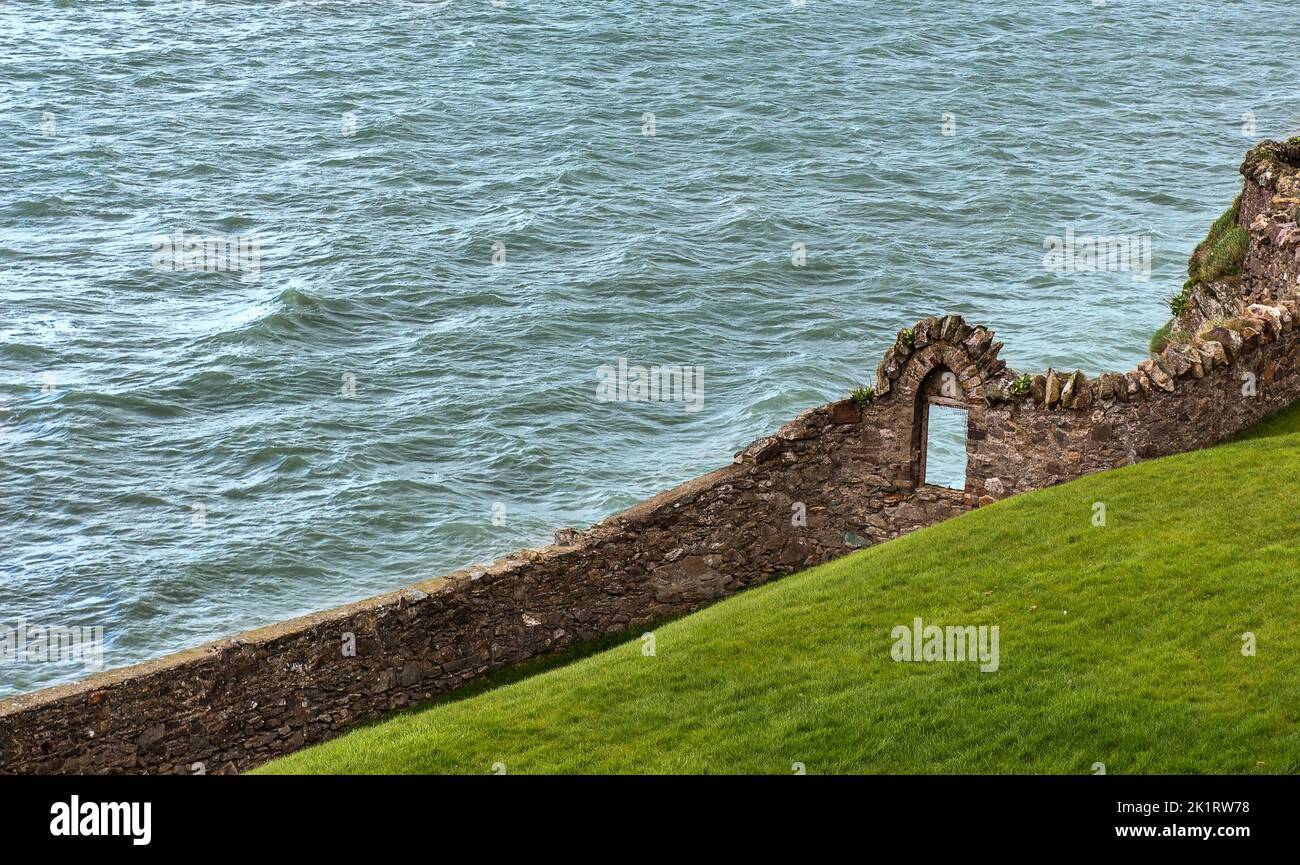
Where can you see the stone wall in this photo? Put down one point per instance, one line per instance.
(837, 478)
(1270, 209)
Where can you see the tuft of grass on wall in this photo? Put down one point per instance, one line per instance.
(1223, 252)
(1160, 338)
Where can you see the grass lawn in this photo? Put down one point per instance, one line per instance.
(1119, 645)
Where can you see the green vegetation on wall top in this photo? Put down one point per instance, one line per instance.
(1221, 255)
(1166, 335)
(864, 396)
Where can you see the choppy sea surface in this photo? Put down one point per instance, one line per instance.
(455, 213)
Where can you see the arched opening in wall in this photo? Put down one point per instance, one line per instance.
(940, 432)
(943, 455)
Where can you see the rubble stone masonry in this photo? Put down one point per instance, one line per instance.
(852, 469)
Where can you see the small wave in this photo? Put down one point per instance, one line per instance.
(292, 313)
(50, 205)
(24, 351)
(131, 403)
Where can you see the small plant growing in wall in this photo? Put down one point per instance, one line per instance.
(864, 396)
(1019, 388)
(1178, 303)
(908, 336)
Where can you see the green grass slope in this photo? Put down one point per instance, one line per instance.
(1119, 645)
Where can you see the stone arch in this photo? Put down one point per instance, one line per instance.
(939, 361)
